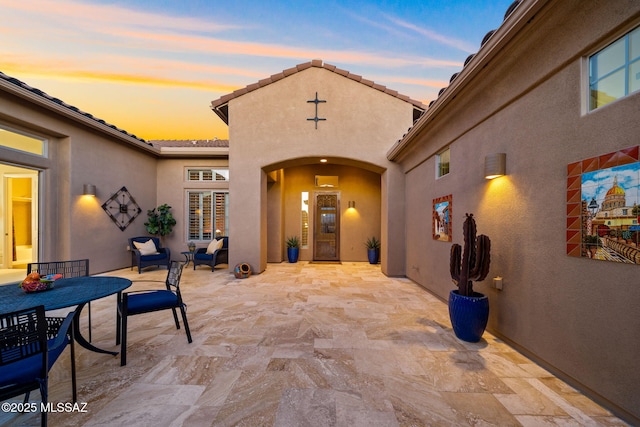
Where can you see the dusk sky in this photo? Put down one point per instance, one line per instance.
(153, 67)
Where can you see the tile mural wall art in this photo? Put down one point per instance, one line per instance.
(441, 222)
(603, 207)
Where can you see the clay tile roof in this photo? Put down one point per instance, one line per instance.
(220, 105)
(215, 142)
(49, 98)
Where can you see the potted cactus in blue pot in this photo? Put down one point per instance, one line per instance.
(469, 310)
(373, 250)
(293, 249)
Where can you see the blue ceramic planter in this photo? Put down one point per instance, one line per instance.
(292, 254)
(373, 255)
(469, 315)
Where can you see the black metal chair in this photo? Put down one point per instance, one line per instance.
(146, 301)
(73, 268)
(30, 343)
(160, 257)
(219, 256)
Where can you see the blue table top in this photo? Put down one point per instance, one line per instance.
(65, 293)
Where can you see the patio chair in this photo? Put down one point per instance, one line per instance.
(30, 344)
(73, 268)
(145, 254)
(217, 256)
(146, 301)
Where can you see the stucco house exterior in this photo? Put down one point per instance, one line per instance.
(57, 149)
(541, 90)
(553, 91)
(328, 152)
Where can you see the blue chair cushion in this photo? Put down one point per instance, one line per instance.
(151, 301)
(161, 255)
(204, 256)
(27, 370)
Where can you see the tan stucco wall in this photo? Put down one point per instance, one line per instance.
(269, 126)
(577, 316)
(72, 226)
(172, 190)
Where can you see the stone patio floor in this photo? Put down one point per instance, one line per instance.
(306, 345)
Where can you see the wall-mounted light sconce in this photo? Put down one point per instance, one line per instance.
(495, 165)
(89, 190)
(352, 204)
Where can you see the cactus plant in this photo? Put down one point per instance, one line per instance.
(472, 264)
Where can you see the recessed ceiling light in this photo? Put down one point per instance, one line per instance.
(323, 160)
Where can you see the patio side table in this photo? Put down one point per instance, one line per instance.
(188, 257)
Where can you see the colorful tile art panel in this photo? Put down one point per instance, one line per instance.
(442, 214)
(603, 207)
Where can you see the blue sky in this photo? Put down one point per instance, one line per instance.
(596, 184)
(153, 67)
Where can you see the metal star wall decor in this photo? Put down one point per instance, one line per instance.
(122, 208)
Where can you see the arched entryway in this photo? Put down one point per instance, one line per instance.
(332, 206)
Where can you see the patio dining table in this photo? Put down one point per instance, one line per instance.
(73, 291)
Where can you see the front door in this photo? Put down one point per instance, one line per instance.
(326, 238)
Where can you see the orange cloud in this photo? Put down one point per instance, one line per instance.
(66, 70)
(99, 17)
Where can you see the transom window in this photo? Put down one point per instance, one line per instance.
(614, 72)
(207, 215)
(442, 162)
(208, 175)
(15, 140)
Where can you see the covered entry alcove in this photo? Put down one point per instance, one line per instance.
(333, 206)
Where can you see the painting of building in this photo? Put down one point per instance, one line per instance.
(442, 214)
(610, 219)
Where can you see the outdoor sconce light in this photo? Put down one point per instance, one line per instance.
(495, 165)
(352, 204)
(89, 190)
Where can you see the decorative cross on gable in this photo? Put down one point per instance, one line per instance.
(316, 101)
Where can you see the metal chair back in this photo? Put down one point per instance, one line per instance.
(73, 268)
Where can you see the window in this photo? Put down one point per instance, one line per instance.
(208, 175)
(304, 218)
(614, 72)
(22, 142)
(442, 163)
(207, 215)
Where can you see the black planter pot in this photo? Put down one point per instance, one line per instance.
(292, 254)
(469, 315)
(373, 255)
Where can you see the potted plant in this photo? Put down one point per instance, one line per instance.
(373, 250)
(293, 248)
(469, 310)
(160, 221)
